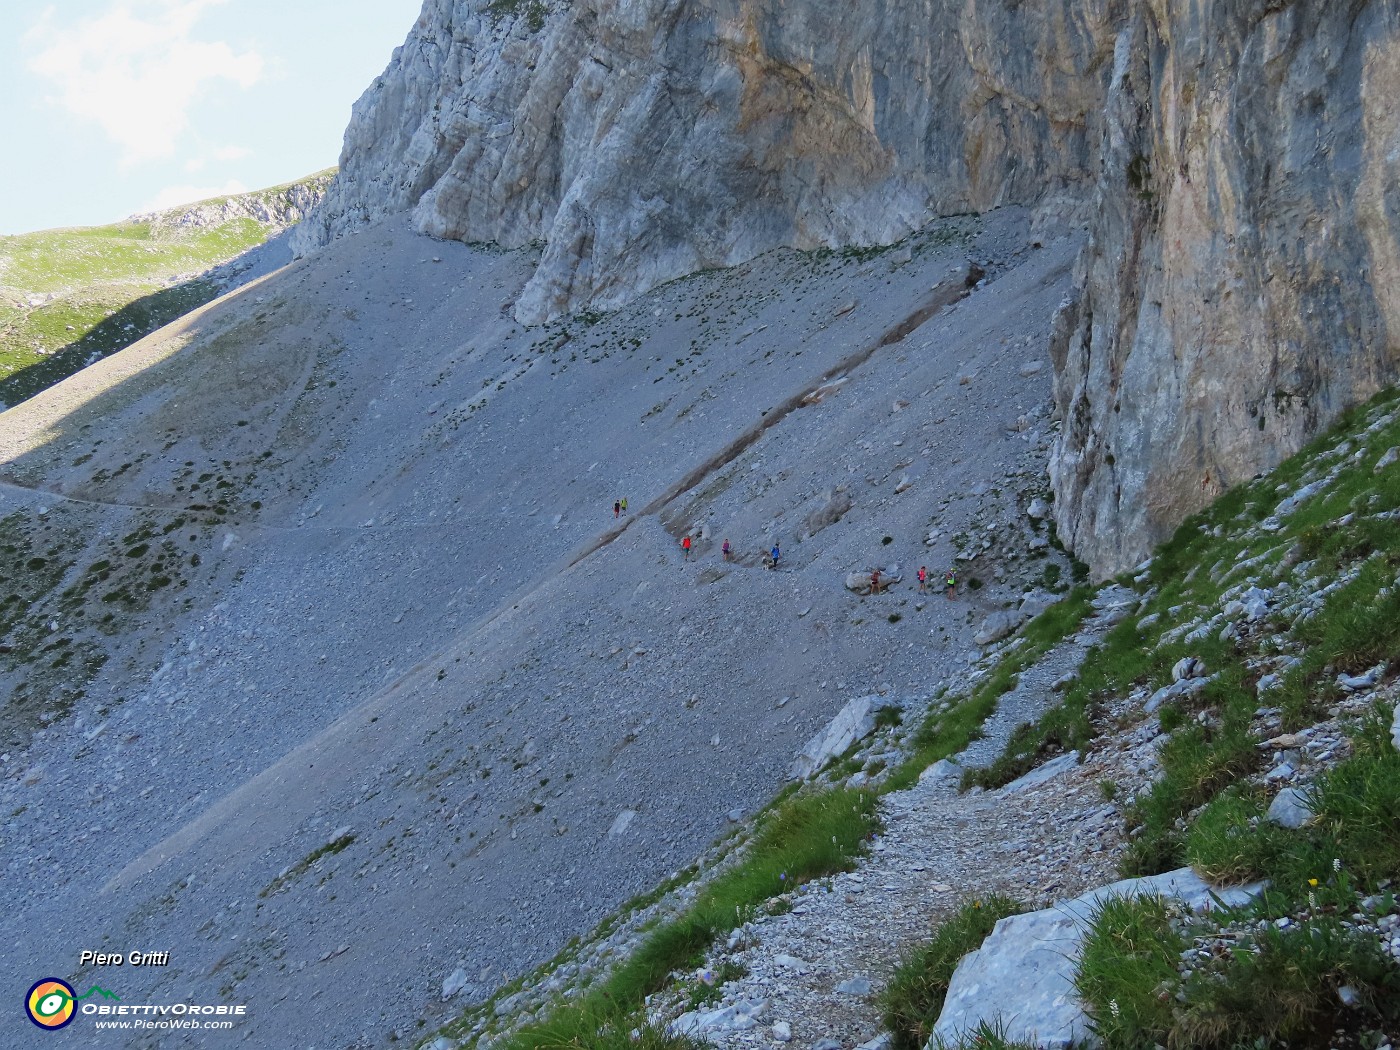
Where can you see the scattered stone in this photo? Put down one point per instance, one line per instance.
(1039, 510)
(620, 825)
(942, 768)
(454, 984)
(782, 1032)
(1357, 683)
(855, 986)
(1048, 771)
(1289, 809)
(1188, 667)
(1389, 457)
(1031, 368)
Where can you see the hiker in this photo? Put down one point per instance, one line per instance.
(624, 504)
(775, 554)
(923, 579)
(725, 550)
(685, 546)
(617, 507)
(951, 583)
(874, 581)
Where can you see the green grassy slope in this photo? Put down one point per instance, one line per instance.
(69, 297)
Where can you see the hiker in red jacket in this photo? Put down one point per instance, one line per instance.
(685, 546)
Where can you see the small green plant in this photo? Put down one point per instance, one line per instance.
(911, 1002)
(1130, 953)
(709, 985)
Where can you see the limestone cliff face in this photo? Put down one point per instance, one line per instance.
(640, 140)
(1240, 160)
(1242, 284)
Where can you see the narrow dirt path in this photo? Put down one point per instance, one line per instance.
(1034, 842)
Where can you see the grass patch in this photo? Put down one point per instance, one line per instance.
(1250, 983)
(304, 865)
(912, 1001)
(805, 837)
(85, 293)
(1129, 954)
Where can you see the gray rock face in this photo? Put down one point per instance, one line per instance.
(998, 626)
(1240, 287)
(640, 140)
(1290, 809)
(1242, 283)
(1022, 976)
(855, 722)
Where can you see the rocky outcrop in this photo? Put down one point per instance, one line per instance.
(856, 721)
(639, 140)
(278, 208)
(1242, 283)
(1022, 978)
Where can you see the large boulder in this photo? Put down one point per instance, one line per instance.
(998, 626)
(1022, 977)
(856, 721)
(858, 581)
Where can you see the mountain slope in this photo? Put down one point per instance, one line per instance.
(71, 297)
(407, 670)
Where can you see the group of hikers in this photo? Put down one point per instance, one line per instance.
(774, 556)
(950, 579)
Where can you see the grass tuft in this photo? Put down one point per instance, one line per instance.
(806, 837)
(911, 1002)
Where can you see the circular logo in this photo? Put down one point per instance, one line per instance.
(50, 1003)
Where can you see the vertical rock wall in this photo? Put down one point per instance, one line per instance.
(639, 140)
(1240, 287)
(1242, 283)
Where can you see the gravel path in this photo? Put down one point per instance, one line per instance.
(1034, 841)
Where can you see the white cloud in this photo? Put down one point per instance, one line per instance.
(174, 196)
(137, 70)
(222, 155)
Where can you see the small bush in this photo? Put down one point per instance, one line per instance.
(1230, 841)
(1285, 989)
(1129, 953)
(1358, 805)
(911, 1002)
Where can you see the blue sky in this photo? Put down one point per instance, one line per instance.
(111, 107)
